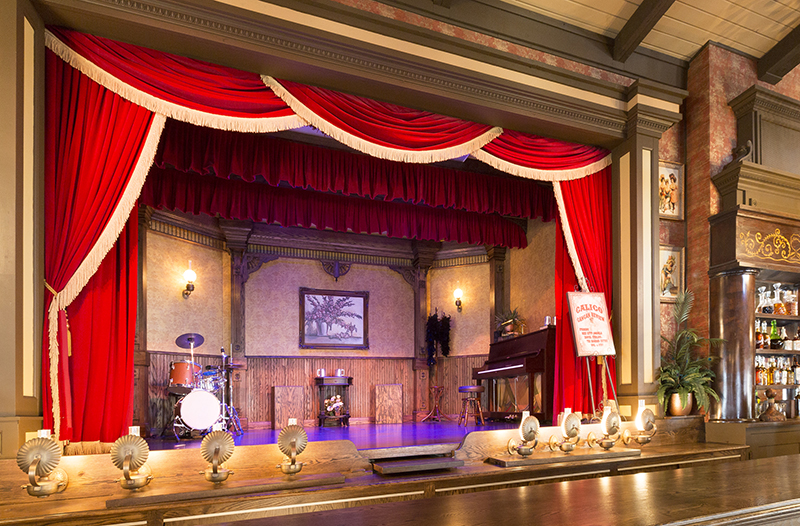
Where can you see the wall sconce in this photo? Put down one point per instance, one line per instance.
(292, 440)
(189, 276)
(457, 294)
(528, 432)
(609, 425)
(216, 449)
(39, 458)
(570, 431)
(129, 453)
(645, 423)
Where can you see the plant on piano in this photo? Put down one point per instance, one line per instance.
(510, 322)
(683, 371)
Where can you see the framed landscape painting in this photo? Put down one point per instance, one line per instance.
(333, 319)
(670, 190)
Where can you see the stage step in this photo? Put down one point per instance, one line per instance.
(414, 465)
(408, 451)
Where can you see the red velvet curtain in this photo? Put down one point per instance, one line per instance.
(103, 323)
(587, 203)
(543, 153)
(93, 139)
(195, 194)
(382, 123)
(187, 82)
(190, 148)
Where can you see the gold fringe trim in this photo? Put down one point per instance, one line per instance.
(170, 109)
(104, 243)
(375, 150)
(573, 253)
(88, 448)
(542, 175)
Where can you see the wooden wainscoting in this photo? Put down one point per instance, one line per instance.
(266, 372)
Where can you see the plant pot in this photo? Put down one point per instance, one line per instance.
(675, 408)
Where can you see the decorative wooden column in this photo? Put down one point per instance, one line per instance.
(732, 317)
(499, 301)
(141, 358)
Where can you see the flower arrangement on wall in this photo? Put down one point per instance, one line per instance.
(437, 336)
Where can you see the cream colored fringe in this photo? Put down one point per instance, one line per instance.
(91, 263)
(375, 150)
(542, 175)
(170, 109)
(88, 448)
(573, 253)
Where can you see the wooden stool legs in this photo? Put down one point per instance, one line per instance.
(471, 406)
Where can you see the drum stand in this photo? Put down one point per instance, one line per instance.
(230, 417)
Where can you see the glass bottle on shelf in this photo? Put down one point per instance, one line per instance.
(778, 307)
(762, 299)
(790, 302)
(769, 301)
(796, 371)
(774, 336)
(789, 372)
(759, 370)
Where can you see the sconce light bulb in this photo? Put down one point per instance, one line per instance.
(189, 276)
(457, 294)
(639, 421)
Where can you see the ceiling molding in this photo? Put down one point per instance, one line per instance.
(781, 59)
(254, 42)
(638, 26)
(525, 28)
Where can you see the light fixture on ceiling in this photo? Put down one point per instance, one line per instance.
(190, 276)
(458, 294)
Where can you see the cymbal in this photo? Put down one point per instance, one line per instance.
(184, 341)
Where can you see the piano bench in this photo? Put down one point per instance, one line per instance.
(471, 404)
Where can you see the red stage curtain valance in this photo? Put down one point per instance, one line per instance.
(381, 129)
(196, 149)
(186, 89)
(195, 194)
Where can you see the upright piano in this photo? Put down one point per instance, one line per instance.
(520, 373)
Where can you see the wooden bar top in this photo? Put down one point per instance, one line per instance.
(765, 491)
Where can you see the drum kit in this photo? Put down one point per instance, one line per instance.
(205, 397)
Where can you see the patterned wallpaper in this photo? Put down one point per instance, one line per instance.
(272, 302)
(168, 314)
(533, 274)
(470, 328)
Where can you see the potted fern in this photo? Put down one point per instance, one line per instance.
(683, 374)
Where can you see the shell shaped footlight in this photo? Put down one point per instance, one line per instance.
(39, 458)
(292, 441)
(129, 453)
(216, 449)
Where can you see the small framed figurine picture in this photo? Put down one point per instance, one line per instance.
(672, 272)
(670, 190)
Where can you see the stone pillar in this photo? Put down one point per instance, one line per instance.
(732, 318)
(499, 300)
(141, 358)
(635, 311)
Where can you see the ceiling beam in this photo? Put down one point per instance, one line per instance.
(781, 59)
(638, 26)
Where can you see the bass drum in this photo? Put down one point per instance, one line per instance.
(199, 409)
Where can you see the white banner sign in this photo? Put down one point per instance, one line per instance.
(591, 325)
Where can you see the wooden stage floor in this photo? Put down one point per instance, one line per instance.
(364, 436)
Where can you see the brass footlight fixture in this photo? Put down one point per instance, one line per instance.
(39, 458)
(216, 449)
(129, 453)
(570, 432)
(609, 425)
(645, 425)
(529, 434)
(292, 440)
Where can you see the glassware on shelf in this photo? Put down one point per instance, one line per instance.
(769, 303)
(762, 299)
(790, 302)
(777, 306)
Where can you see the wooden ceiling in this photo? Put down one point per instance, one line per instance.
(679, 28)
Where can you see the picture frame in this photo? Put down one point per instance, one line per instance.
(334, 319)
(672, 272)
(671, 190)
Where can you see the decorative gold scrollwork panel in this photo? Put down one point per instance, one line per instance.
(771, 247)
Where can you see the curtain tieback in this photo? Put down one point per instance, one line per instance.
(48, 287)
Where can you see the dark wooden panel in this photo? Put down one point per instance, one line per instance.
(288, 403)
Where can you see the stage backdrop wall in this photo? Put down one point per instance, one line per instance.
(206, 311)
(532, 272)
(469, 329)
(272, 307)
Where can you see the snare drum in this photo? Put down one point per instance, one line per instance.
(211, 379)
(181, 377)
(199, 409)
